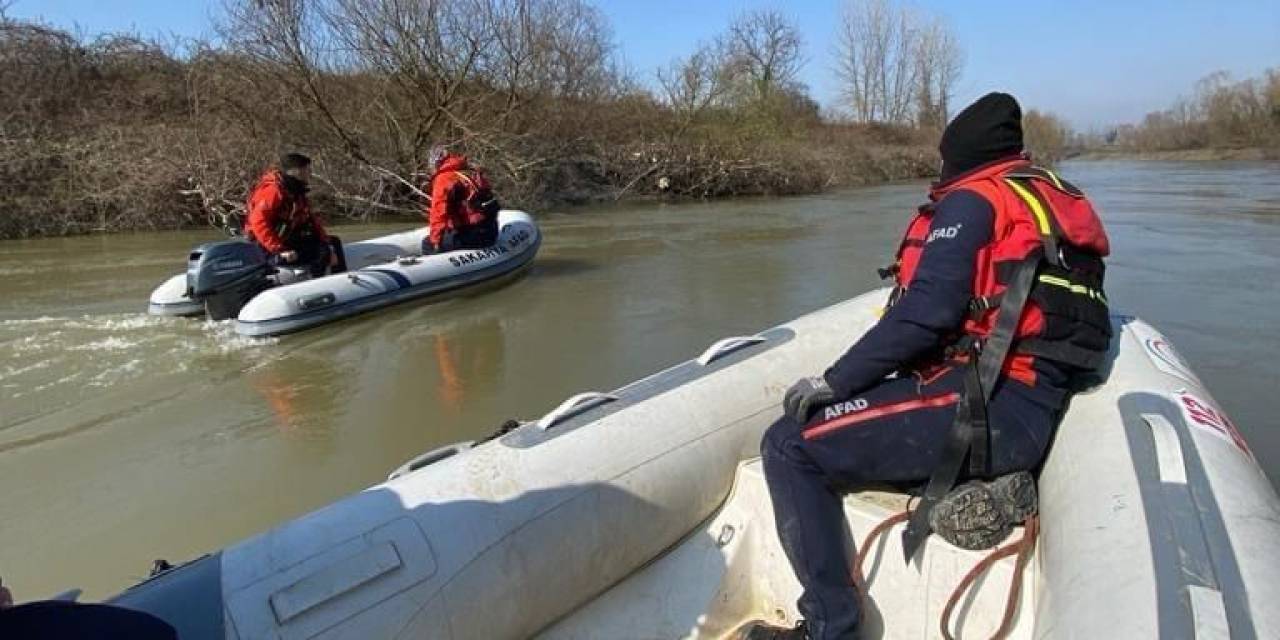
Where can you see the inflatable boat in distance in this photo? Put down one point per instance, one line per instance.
(233, 279)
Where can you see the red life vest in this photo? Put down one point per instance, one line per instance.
(1043, 223)
(479, 201)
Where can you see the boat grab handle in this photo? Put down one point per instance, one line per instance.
(573, 406)
(727, 346)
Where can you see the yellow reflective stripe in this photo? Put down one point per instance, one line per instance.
(1073, 288)
(1042, 218)
(1055, 179)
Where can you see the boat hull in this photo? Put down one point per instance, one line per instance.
(642, 513)
(383, 271)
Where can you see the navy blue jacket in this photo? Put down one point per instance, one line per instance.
(934, 308)
(935, 305)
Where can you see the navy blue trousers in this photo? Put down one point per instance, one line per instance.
(892, 433)
(481, 236)
(315, 254)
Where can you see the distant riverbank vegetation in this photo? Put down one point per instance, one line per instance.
(1221, 119)
(116, 132)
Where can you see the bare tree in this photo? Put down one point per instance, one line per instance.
(692, 85)
(766, 49)
(896, 65)
(474, 73)
(876, 60)
(938, 61)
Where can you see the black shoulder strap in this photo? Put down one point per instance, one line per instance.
(1012, 303)
(1046, 175)
(969, 431)
(1042, 213)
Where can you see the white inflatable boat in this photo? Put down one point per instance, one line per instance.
(232, 278)
(642, 513)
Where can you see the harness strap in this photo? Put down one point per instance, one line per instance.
(979, 305)
(944, 476)
(970, 431)
(970, 426)
(1048, 176)
(1042, 213)
(980, 444)
(996, 349)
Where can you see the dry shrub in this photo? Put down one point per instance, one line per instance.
(1221, 114)
(117, 133)
(1047, 136)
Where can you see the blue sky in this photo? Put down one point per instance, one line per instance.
(1092, 61)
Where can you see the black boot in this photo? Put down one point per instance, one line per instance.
(980, 515)
(761, 630)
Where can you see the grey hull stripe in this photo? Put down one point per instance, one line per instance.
(401, 281)
(1188, 538)
(530, 435)
(306, 320)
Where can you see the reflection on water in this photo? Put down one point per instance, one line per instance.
(301, 397)
(129, 438)
(465, 363)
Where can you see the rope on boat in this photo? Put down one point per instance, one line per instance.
(1022, 548)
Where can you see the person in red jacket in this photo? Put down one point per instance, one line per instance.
(281, 220)
(463, 212)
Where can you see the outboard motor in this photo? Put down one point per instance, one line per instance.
(226, 275)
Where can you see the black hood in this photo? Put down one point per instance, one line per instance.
(987, 130)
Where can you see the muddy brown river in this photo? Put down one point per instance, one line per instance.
(125, 438)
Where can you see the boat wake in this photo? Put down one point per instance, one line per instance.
(48, 364)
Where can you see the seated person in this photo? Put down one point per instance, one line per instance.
(462, 212)
(997, 317)
(281, 220)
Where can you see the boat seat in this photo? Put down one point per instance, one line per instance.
(891, 501)
(732, 569)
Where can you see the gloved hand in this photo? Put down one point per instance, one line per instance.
(806, 396)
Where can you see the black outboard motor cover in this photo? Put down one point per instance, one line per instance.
(227, 274)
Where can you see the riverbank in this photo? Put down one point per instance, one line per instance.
(117, 133)
(1247, 154)
(831, 157)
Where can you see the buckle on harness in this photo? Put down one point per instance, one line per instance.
(967, 348)
(981, 304)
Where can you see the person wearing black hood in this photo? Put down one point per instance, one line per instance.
(890, 409)
(282, 222)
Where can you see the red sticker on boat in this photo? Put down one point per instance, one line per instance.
(1167, 359)
(1201, 413)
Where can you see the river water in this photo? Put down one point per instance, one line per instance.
(125, 438)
